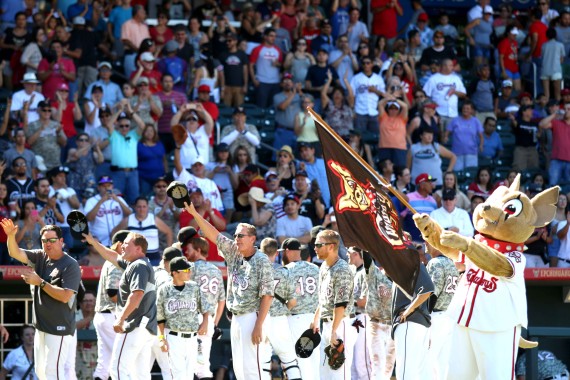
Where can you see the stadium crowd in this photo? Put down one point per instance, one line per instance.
(445, 111)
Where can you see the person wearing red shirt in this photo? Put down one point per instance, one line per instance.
(66, 112)
(508, 57)
(209, 106)
(55, 70)
(385, 20)
(559, 169)
(213, 216)
(147, 70)
(537, 33)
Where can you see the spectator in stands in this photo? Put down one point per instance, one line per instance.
(12, 42)
(82, 48)
(209, 75)
(185, 50)
(105, 210)
(161, 33)
(147, 105)
(28, 95)
(18, 362)
(239, 133)
(552, 55)
(384, 21)
(236, 73)
(298, 61)
(275, 193)
(20, 185)
(425, 157)
(93, 108)
(560, 216)
(133, 32)
(393, 116)
(437, 52)
(8, 210)
(220, 171)
(357, 31)
(29, 226)
(305, 128)
(508, 57)
(287, 105)
(367, 87)
(426, 33)
(466, 135)
(262, 212)
(84, 316)
(450, 182)
(171, 101)
(82, 162)
(217, 33)
(312, 202)
(54, 70)
(146, 70)
(482, 93)
(196, 147)
(340, 16)
(286, 167)
(449, 30)
(82, 8)
(151, 159)
(563, 258)
(19, 150)
(403, 71)
(249, 177)
(427, 118)
(47, 205)
(337, 109)
(317, 76)
(505, 99)
(526, 139)
(120, 14)
(241, 159)
(482, 185)
(111, 91)
(67, 113)
(174, 66)
(343, 60)
(204, 96)
(445, 88)
(324, 40)
(451, 217)
(46, 137)
(478, 33)
(67, 199)
(422, 201)
(403, 179)
(559, 170)
(163, 207)
(264, 63)
(33, 52)
(563, 31)
(293, 225)
(197, 179)
(492, 144)
(546, 14)
(537, 244)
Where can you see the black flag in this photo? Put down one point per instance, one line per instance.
(365, 213)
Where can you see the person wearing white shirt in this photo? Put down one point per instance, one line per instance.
(241, 134)
(445, 88)
(197, 144)
(357, 30)
(30, 83)
(367, 87)
(453, 218)
(477, 11)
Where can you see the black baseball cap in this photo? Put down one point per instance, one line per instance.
(239, 110)
(171, 253)
(185, 234)
(306, 343)
(120, 236)
(534, 188)
(222, 147)
(179, 193)
(315, 231)
(180, 263)
(291, 244)
(77, 224)
(448, 194)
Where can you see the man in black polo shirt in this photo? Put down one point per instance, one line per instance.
(235, 72)
(526, 139)
(55, 277)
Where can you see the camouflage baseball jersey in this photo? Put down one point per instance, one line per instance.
(209, 279)
(305, 278)
(360, 288)
(180, 308)
(283, 292)
(249, 279)
(549, 367)
(444, 276)
(379, 295)
(336, 287)
(161, 276)
(110, 277)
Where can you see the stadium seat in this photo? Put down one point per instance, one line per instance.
(486, 161)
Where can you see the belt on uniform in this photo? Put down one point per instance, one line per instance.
(378, 320)
(181, 334)
(106, 312)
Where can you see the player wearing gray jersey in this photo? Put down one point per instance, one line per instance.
(209, 279)
(336, 298)
(361, 366)
(445, 277)
(305, 277)
(379, 339)
(179, 305)
(283, 300)
(249, 296)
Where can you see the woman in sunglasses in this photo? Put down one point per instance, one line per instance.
(82, 162)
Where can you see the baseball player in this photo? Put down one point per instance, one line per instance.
(410, 328)
(249, 296)
(378, 332)
(105, 310)
(361, 366)
(178, 305)
(444, 276)
(279, 332)
(305, 276)
(209, 279)
(162, 276)
(336, 298)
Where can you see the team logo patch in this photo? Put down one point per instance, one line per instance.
(516, 256)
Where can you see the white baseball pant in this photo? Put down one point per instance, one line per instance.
(50, 354)
(412, 345)
(131, 355)
(161, 358)
(440, 347)
(250, 361)
(203, 370)
(347, 333)
(382, 349)
(298, 324)
(361, 366)
(489, 355)
(70, 373)
(279, 336)
(182, 356)
(103, 323)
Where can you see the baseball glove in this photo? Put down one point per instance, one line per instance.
(179, 134)
(335, 355)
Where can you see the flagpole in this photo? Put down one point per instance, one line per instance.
(362, 161)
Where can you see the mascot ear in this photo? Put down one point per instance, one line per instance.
(545, 206)
(515, 186)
